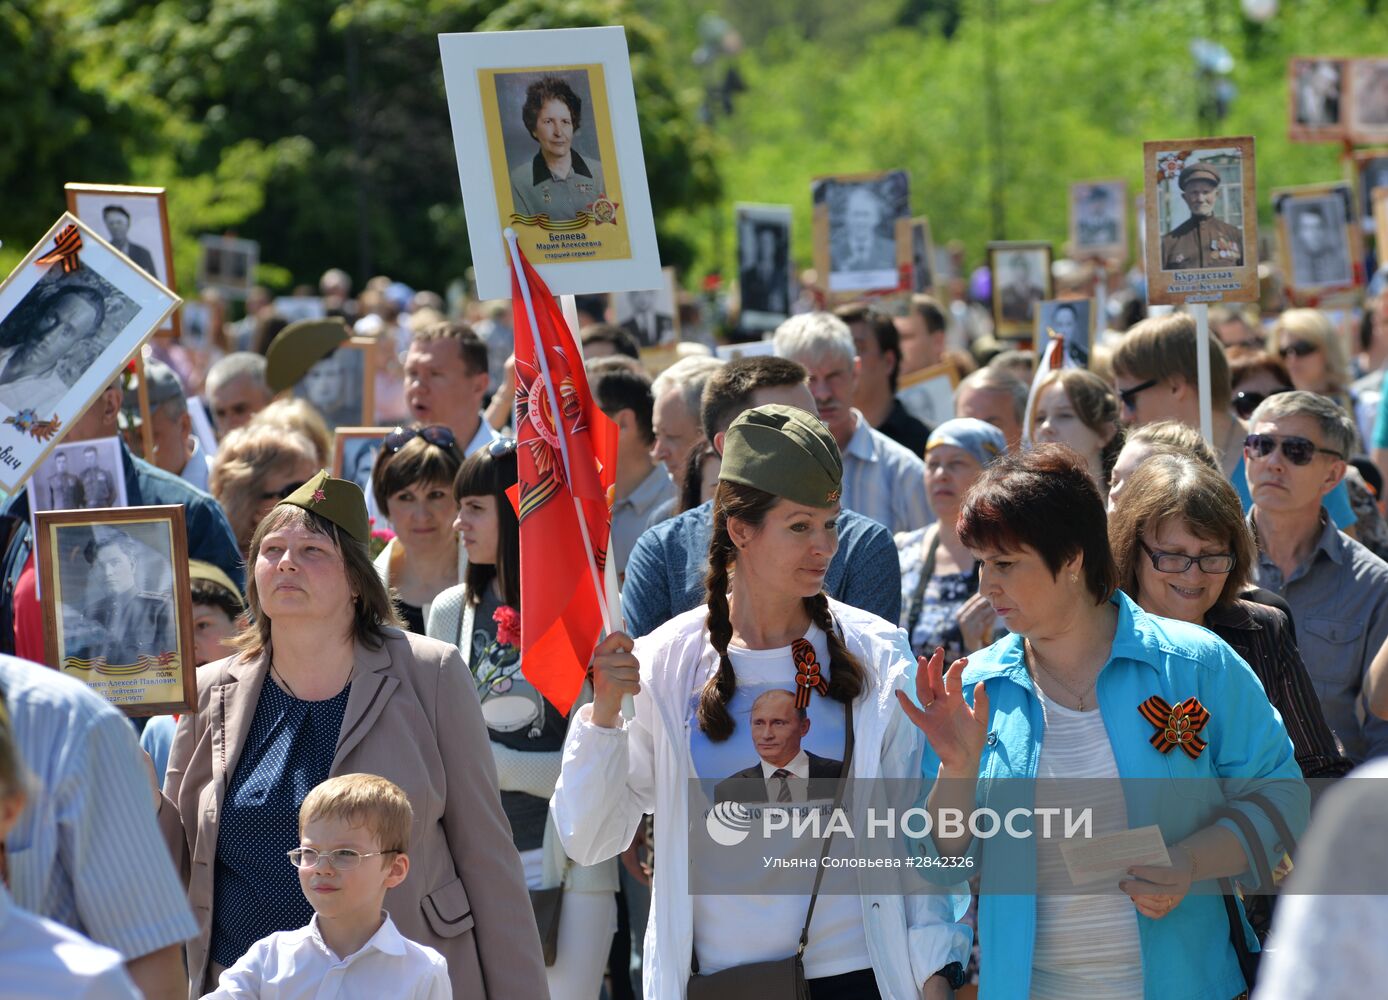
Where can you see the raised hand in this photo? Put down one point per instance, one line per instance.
(616, 673)
(955, 731)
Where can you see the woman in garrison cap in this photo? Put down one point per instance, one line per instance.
(774, 674)
(326, 683)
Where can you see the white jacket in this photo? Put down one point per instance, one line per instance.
(610, 777)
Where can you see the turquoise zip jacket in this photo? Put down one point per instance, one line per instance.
(1187, 954)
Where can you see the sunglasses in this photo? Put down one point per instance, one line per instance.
(1298, 349)
(343, 861)
(501, 447)
(436, 434)
(1129, 395)
(1246, 402)
(1216, 564)
(283, 493)
(1299, 450)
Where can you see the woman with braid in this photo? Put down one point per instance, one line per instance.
(764, 698)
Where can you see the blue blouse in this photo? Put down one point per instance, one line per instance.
(289, 750)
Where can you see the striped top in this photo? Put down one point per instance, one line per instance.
(87, 851)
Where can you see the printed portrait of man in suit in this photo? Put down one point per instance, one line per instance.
(785, 772)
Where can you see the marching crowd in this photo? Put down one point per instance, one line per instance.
(819, 574)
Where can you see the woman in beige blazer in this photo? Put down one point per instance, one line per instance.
(322, 636)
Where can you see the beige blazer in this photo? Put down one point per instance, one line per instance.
(412, 716)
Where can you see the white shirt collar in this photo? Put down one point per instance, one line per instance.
(799, 767)
(484, 436)
(386, 940)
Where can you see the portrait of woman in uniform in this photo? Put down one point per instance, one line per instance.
(551, 145)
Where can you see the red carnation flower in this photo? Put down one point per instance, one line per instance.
(507, 621)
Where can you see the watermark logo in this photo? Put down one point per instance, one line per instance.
(729, 823)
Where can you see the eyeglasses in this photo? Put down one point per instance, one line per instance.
(1246, 402)
(283, 493)
(344, 860)
(1129, 395)
(501, 447)
(1298, 349)
(1299, 450)
(1216, 564)
(436, 434)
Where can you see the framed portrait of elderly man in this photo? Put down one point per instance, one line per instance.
(1099, 220)
(763, 265)
(1318, 240)
(649, 314)
(1315, 99)
(116, 607)
(71, 314)
(1368, 100)
(856, 225)
(548, 145)
(1021, 280)
(1202, 220)
(341, 384)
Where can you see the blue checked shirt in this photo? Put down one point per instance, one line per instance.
(87, 851)
(884, 481)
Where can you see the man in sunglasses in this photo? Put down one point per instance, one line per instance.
(1296, 454)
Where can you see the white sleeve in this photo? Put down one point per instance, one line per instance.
(437, 986)
(242, 981)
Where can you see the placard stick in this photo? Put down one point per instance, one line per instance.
(142, 393)
(568, 305)
(1201, 312)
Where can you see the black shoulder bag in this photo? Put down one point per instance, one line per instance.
(1248, 959)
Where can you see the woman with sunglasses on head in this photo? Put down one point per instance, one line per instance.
(481, 616)
(1315, 356)
(772, 674)
(412, 483)
(255, 468)
(1255, 377)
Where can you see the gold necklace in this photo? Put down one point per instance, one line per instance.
(1035, 662)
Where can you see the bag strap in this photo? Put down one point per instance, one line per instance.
(917, 605)
(828, 841)
(1274, 815)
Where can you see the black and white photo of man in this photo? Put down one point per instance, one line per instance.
(117, 221)
(646, 322)
(1097, 222)
(1319, 255)
(765, 285)
(1317, 92)
(123, 622)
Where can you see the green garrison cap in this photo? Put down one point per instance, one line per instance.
(785, 451)
(206, 571)
(1197, 172)
(340, 501)
(298, 347)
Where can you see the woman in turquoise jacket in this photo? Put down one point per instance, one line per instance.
(1158, 723)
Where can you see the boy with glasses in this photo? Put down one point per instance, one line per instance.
(1338, 590)
(353, 832)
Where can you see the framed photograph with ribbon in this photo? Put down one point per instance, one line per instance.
(117, 611)
(1319, 240)
(548, 144)
(71, 314)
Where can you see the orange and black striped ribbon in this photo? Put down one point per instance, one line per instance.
(807, 674)
(65, 249)
(1177, 726)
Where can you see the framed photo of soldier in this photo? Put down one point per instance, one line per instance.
(1318, 239)
(548, 145)
(1315, 102)
(116, 606)
(763, 265)
(134, 220)
(1072, 320)
(341, 384)
(228, 265)
(1099, 220)
(649, 315)
(80, 475)
(1370, 173)
(1021, 273)
(1368, 100)
(1202, 220)
(354, 453)
(71, 314)
(857, 220)
(922, 255)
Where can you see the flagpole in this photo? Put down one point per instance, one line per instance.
(599, 591)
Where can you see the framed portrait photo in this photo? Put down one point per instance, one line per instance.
(1021, 273)
(928, 393)
(354, 453)
(1370, 174)
(1099, 220)
(1202, 220)
(649, 315)
(134, 220)
(228, 265)
(200, 322)
(71, 314)
(1368, 100)
(1072, 320)
(116, 607)
(341, 385)
(917, 237)
(296, 307)
(856, 224)
(1318, 239)
(1316, 105)
(548, 144)
(763, 265)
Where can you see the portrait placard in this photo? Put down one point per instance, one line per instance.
(922, 255)
(354, 453)
(548, 144)
(1202, 220)
(135, 220)
(71, 314)
(228, 265)
(856, 218)
(1021, 274)
(1099, 220)
(1370, 173)
(748, 349)
(928, 393)
(198, 321)
(763, 265)
(649, 315)
(292, 308)
(116, 607)
(341, 386)
(1073, 321)
(1316, 106)
(1368, 100)
(78, 475)
(1318, 239)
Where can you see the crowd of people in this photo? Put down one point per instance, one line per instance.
(1061, 579)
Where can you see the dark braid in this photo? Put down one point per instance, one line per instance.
(714, 718)
(846, 674)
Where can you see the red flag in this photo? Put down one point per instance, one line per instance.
(561, 617)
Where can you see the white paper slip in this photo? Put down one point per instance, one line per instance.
(1108, 858)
